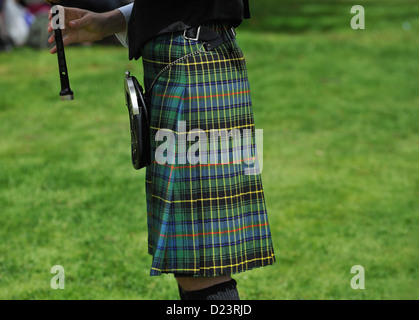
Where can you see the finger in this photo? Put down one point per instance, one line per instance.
(50, 28)
(67, 40)
(80, 23)
(51, 39)
(52, 36)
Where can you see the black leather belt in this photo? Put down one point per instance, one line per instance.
(210, 38)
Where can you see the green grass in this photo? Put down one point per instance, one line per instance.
(339, 110)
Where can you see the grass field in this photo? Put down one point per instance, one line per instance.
(340, 114)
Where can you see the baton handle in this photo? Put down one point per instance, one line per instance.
(65, 93)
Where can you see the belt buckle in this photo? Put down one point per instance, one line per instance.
(192, 39)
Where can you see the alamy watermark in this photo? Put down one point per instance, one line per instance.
(58, 18)
(58, 281)
(212, 147)
(358, 21)
(358, 281)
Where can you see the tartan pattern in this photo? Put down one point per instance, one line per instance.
(204, 219)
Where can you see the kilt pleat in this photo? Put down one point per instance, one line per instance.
(205, 217)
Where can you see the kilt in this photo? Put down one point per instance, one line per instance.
(205, 218)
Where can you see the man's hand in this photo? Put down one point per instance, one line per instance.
(83, 25)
